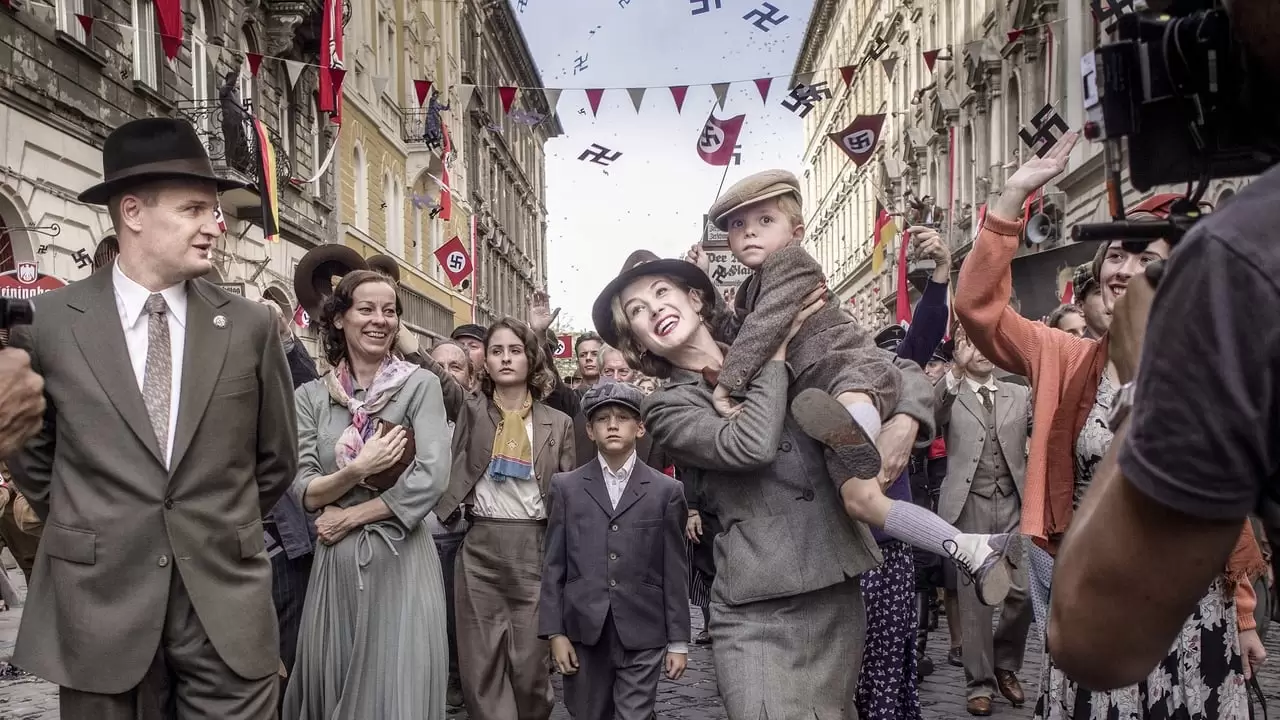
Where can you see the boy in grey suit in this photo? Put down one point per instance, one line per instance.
(842, 383)
(615, 585)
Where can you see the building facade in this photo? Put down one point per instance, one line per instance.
(951, 134)
(65, 89)
(505, 160)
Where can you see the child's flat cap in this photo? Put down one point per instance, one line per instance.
(611, 392)
(752, 189)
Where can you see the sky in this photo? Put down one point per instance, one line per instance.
(655, 194)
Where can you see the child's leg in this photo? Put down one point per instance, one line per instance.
(635, 683)
(588, 693)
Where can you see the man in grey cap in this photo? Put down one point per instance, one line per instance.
(471, 338)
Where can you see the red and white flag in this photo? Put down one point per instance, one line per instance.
(301, 317)
(453, 257)
(859, 140)
(564, 347)
(719, 138)
(332, 70)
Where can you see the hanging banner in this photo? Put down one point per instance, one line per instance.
(453, 257)
(859, 140)
(564, 347)
(332, 70)
(267, 183)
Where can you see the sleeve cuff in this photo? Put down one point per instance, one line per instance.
(1245, 623)
(1000, 226)
(679, 648)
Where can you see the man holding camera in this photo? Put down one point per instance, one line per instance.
(1201, 447)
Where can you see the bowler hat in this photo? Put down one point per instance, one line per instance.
(750, 190)
(891, 337)
(470, 330)
(637, 265)
(141, 151)
(386, 265)
(610, 392)
(313, 278)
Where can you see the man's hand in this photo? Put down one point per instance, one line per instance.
(699, 257)
(1252, 650)
(929, 244)
(962, 357)
(541, 316)
(563, 656)
(21, 401)
(676, 663)
(1129, 326)
(333, 525)
(693, 527)
(723, 404)
(897, 439)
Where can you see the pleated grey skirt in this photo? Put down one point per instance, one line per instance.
(794, 658)
(373, 642)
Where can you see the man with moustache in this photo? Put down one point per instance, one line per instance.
(169, 434)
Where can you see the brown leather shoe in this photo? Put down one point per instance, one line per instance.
(1010, 688)
(979, 706)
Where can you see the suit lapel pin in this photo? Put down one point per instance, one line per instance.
(219, 321)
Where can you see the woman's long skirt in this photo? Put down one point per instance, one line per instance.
(373, 642)
(1202, 677)
(887, 687)
(794, 658)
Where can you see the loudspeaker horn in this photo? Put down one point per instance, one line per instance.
(1041, 229)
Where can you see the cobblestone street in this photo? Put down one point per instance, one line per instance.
(692, 698)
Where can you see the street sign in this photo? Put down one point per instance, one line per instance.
(26, 282)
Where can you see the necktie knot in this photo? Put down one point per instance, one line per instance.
(156, 304)
(985, 392)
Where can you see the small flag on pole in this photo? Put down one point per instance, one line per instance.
(884, 233)
(267, 183)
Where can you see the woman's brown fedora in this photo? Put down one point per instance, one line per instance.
(313, 278)
(386, 265)
(639, 264)
(140, 151)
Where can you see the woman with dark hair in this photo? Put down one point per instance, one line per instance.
(506, 446)
(373, 641)
(1075, 386)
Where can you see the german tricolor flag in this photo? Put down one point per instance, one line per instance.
(884, 234)
(267, 186)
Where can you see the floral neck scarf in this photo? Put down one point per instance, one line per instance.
(390, 377)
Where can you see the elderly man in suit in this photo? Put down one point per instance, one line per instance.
(169, 434)
(615, 583)
(987, 423)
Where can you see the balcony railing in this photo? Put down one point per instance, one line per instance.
(422, 125)
(229, 138)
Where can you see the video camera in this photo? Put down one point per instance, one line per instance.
(15, 312)
(1174, 85)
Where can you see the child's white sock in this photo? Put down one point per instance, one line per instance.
(866, 415)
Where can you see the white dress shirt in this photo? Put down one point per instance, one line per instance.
(953, 385)
(616, 483)
(131, 300)
(510, 499)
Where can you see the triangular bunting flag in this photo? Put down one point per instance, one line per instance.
(86, 22)
(255, 62)
(169, 22)
(508, 96)
(464, 97)
(889, 64)
(763, 85)
(380, 83)
(215, 54)
(931, 58)
(423, 90)
(1014, 35)
(294, 68)
(847, 72)
(553, 98)
(593, 97)
(722, 91)
(974, 49)
(637, 96)
(677, 93)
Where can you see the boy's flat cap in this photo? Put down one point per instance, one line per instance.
(610, 392)
(752, 189)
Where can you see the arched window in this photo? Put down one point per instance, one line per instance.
(395, 237)
(361, 187)
(200, 85)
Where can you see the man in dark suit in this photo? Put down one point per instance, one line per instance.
(169, 434)
(615, 585)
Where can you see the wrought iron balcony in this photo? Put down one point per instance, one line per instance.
(422, 125)
(229, 137)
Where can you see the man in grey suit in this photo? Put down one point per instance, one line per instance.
(987, 423)
(169, 433)
(615, 585)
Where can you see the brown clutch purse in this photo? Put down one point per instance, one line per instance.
(384, 480)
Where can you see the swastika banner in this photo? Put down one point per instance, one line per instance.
(564, 347)
(717, 140)
(453, 257)
(859, 140)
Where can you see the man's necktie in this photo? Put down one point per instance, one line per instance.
(157, 378)
(985, 392)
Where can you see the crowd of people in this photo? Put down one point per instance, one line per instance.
(213, 524)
